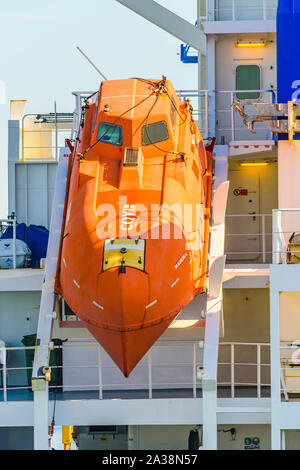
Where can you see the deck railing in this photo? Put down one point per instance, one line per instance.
(239, 10)
(290, 371)
(4, 224)
(43, 136)
(241, 365)
(216, 117)
(247, 246)
(286, 222)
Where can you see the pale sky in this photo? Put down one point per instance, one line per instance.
(39, 61)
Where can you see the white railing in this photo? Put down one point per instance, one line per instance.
(238, 10)
(212, 110)
(159, 370)
(44, 135)
(4, 223)
(43, 140)
(257, 363)
(290, 371)
(262, 253)
(286, 222)
(216, 117)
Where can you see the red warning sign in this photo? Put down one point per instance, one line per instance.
(240, 192)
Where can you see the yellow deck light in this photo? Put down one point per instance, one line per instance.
(253, 164)
(250, 44)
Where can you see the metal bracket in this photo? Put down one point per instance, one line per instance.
(279, 118)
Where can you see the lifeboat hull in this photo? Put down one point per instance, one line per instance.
(134, 245)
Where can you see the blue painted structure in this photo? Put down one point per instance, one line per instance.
(184, 54)
(288, 63)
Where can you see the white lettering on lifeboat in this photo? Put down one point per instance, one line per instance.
(128, 217)
(179, 263)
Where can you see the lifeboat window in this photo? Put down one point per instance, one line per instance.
(155, 132)
(110, 134)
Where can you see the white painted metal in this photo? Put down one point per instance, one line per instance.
(283, 386)
(211, 104)
(150, 372)
(232, 369)
(285, 222)
(254, 147)
(219, 203)
(8, 222)
(44, 331)
(263, 233)
(47, 299)
(247, 245)
(239, 27)
(213, 316)
(100, 372)
(216, 277)
(275, 363)
(237, 235)
(174, 374)
(209, 381)
(169, 22)
(210, 10)
(41, 419)
(211, 84)
(4, 372)
(282, 439)
(258, 371)
(237, 10)
(194, 371)
(174, 411)
(14, 242)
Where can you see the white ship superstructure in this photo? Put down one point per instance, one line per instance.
(236, 380)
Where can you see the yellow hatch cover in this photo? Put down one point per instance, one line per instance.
(124, 252)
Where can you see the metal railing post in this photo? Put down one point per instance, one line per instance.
(274, 238)
(150, 372)
(206, 115)
(56, 136)
(4, 376)
(263, 232)
(23, 139)
(232, 118)
(194, 372)
(264, 9)
(283, 385)
(233, 10)
(232, 369)
(14, 242)
(258, 371)
(100, 371)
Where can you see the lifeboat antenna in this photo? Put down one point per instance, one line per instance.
(92, 63)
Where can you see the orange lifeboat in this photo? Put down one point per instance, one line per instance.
(134, 243)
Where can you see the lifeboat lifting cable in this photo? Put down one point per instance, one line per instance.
(134, 245)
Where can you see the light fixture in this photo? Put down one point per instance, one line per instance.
(250, 44)
(252, 164)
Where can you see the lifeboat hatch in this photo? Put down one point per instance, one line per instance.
(124, 252)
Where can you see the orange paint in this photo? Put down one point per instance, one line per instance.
(123, 180)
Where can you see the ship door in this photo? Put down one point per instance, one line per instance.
(242, 241)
